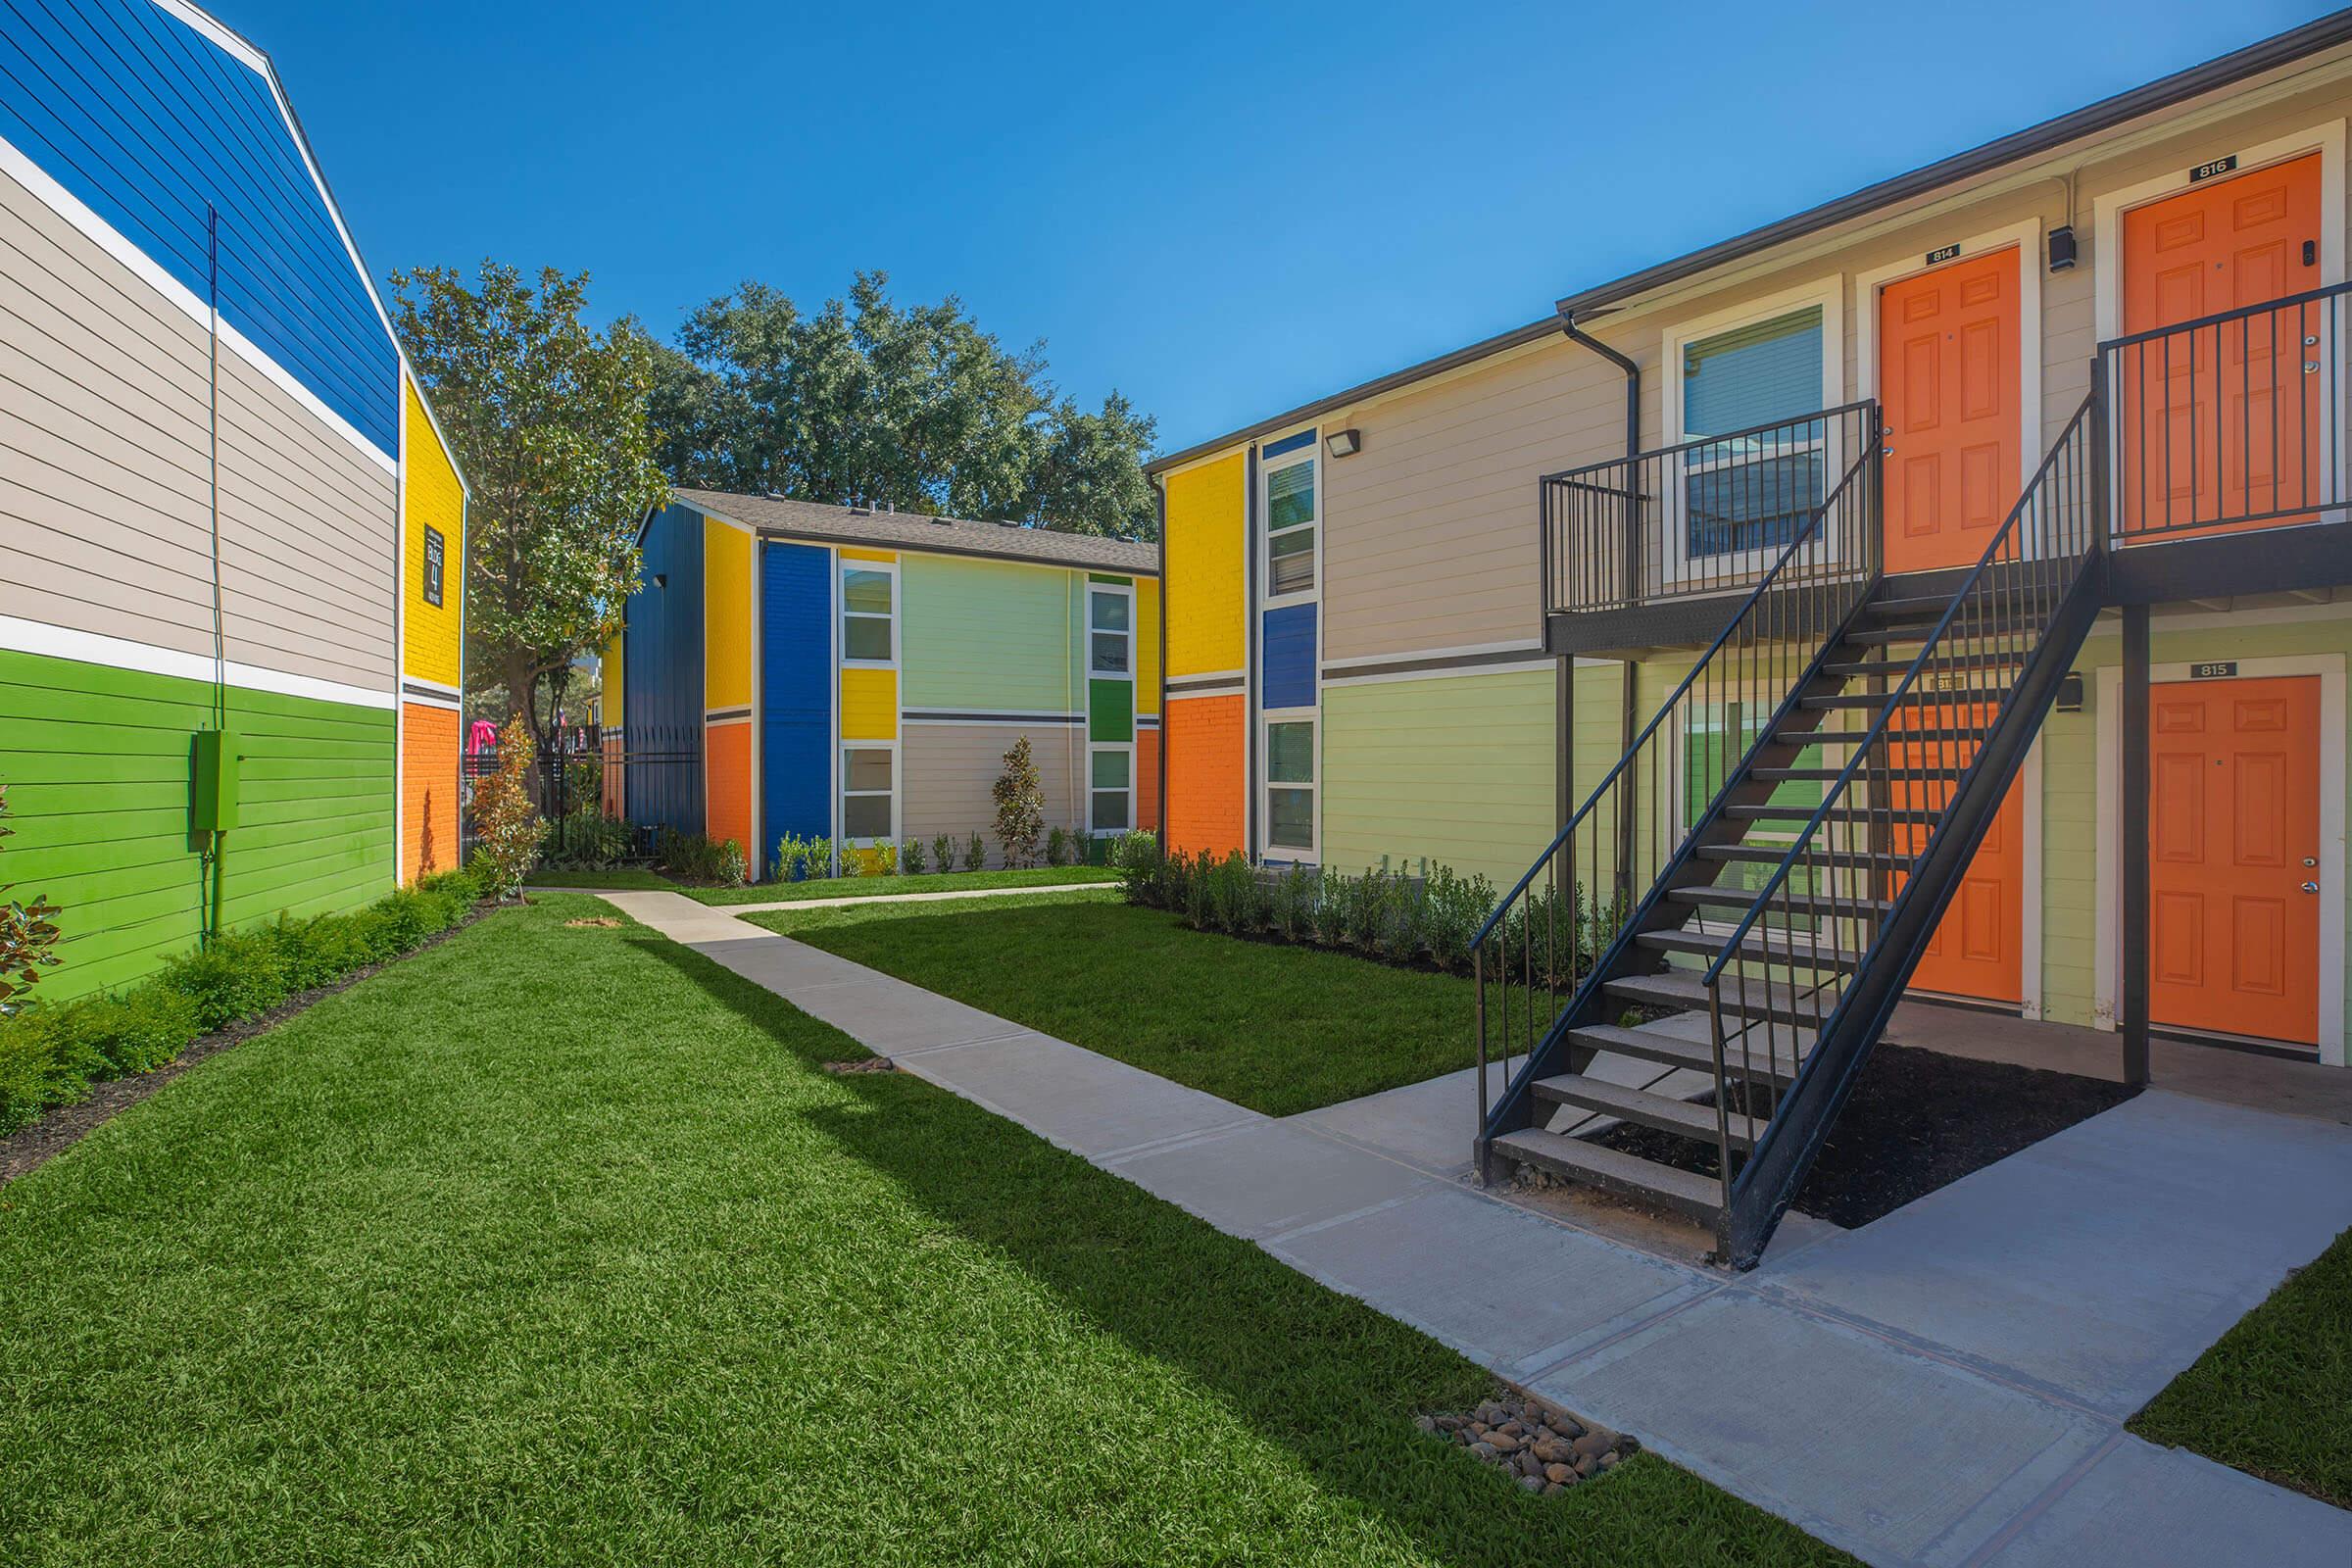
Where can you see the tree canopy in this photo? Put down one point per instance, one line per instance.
(549, 419)
(866, 402)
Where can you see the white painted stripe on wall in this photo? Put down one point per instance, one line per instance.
(120, 653)
(107, 238)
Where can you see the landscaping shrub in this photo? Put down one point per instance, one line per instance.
(698, 858)
(975, 853)
(1390, 914)
(1057, 845)
(1020, 807)
(587, 838)
(911, 856)
(943, 853)
(508, 823)
(51, 1053)
(28, 935)
(800, 859)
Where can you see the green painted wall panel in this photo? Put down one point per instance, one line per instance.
(1110, 710)
(1457, 769)
(986, 634)
(96, 761)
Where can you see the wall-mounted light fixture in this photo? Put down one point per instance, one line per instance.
(2070, 693)
(2062, 247)
(1344, 443)
(661, 579)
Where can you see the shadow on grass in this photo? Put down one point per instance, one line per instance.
(1332, 1381)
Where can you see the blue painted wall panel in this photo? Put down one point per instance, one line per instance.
(146, 122)
(662, 677)
(796, 692)
(1287, 649)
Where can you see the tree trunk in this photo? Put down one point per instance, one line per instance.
(520, 674)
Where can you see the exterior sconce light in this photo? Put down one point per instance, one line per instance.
(661, 579)
(2062, 249)
(1344, 443)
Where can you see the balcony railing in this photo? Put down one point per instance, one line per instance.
(1709, 516)
(2230, 421)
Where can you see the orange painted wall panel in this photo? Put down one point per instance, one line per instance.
(1205, 789)
(1147, 778)
(428, 806)
(727, 783)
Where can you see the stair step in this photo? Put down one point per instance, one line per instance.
(1669, 1051)
(1772, 853)
(1683, 989)
(1895, 667)
(1895, 635)
(1804, 814)
(1758, 944)
(1827, 776)
(1663, 1111)
(1741, 898)
(1901, 607)
(1872, 700)
(1627, 1175)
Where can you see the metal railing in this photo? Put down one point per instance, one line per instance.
(2231, 420)
(1709, 516)
(1839, 922)
(1551, 934)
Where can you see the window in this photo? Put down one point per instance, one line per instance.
(867, 800)
(868, 629)
(1291, 784)
(1113, 788)
(1110, 630)
(1754, 491)
(1290, 517)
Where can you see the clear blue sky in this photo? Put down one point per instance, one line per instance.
(1220, 212)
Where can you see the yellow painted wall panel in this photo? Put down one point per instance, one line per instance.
(869, 555)
(869, 705)
(432, 498)
(726, 615)
(1202, 556)
(1147, 646)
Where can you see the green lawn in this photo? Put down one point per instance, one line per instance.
(865, 887)
(621, 878)
(1280, 1029)
(554, 1245)
(2273, 1396)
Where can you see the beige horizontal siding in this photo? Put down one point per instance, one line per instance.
(951, 771)
(105, 490)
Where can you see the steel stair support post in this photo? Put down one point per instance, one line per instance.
(2134, 786)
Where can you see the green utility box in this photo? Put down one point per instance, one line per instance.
(212, 792)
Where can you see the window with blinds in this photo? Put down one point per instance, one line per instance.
(1753, 384)
(1291, 527)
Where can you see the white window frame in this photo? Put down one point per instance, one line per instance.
(1092, 631)
(1311, 455)
(1093, 749)
(844, 794)
(1267, 849)
(1675, 562)
(844, 614)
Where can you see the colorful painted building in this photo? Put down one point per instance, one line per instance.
(838, 673)
(1993, 514)
(225, 509)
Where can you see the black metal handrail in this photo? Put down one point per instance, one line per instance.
(1546, 937)
(1850, 881)
(2231, 420)
(1707, 516)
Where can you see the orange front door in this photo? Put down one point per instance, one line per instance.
(1974, 950)
(2222, 426)
(2234, 837)
(1948, 370)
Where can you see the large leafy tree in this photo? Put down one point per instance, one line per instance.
(549, 418)
(866, 402)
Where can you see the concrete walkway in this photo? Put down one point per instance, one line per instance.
(869, 897)
(1945, 1387)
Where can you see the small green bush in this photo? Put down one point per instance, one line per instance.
(911, 856)
(698, 858)
(1057, 845)
(50, 1053)
(943, 853)
(975, 852)
(586, 838)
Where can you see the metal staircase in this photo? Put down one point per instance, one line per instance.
(1771, 855)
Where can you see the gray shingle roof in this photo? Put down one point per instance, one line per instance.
(908, 530)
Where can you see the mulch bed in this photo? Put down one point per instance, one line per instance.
(37, 1142)
(1918, 1120)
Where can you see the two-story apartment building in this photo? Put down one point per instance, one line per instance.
(1945, 590)
(847, 674)
(231, 538)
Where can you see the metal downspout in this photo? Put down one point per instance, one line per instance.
(1628, 719)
